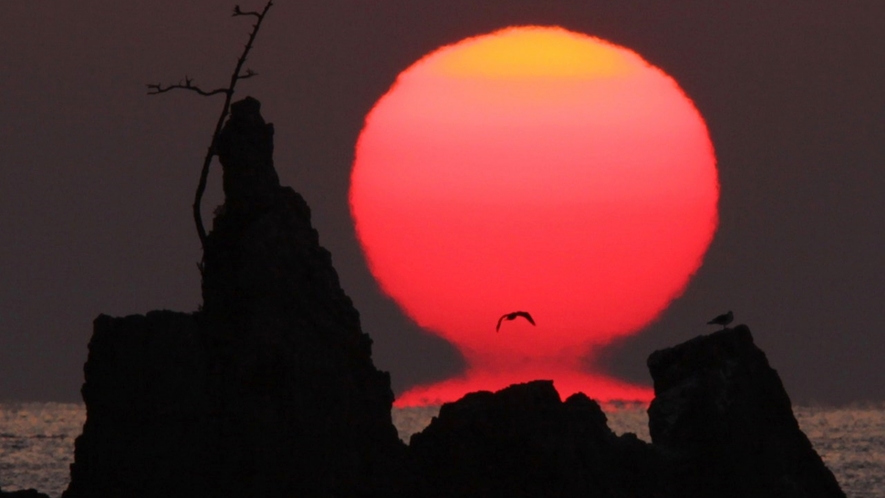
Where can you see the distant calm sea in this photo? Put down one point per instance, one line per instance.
(37, 441)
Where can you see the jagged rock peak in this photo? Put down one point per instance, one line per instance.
(245, 150)
(269, 390)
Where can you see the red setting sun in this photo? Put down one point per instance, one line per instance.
(541, 170)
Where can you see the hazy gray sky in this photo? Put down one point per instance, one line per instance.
(96, 178)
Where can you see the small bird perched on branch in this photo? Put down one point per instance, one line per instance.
(514, 316)
(722, 320)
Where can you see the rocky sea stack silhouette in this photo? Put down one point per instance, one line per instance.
(270, 391)
(725, 422)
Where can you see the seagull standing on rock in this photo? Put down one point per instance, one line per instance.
(722, 320)
(514, 316)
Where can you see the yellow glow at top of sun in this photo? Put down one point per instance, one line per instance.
(535, 51)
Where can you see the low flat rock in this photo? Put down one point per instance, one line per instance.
(524, 441)
(25, 493)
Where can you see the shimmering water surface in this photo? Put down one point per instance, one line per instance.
(37, 441)
(37, 444)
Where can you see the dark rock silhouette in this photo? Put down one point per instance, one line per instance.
(724, 420)
(523, 441)
(721, 422)
(245, 150)
(147, 400)
(269, 390)
(25, 493)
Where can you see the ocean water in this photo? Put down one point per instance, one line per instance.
(37, 441)
(37, 445)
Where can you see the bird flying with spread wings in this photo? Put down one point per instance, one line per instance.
(723, 320)
(514, 316)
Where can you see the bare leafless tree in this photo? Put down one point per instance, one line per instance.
(188, 84)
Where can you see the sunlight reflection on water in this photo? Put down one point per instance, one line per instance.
(37, 441)
(851, 441)
(37, 444)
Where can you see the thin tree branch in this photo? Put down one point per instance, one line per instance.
(187, 85)
(228, 92)
(239, 12)
(248, 74)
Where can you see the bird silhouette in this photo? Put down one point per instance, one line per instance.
(722, 320)
(514, 316)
